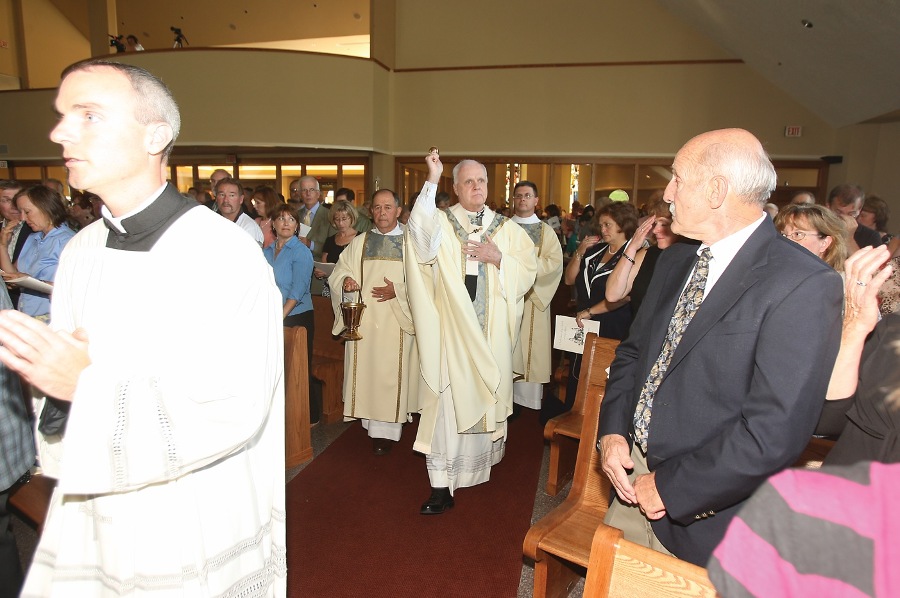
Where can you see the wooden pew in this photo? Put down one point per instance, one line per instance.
(814, 453)
(297, 441)
(560, 543)
(621, 569)
(32, 499)
(328, 361)
(564, 431)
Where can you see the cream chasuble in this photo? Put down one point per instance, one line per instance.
(377, 369)
(465, 348)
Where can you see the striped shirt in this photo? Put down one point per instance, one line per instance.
(828, 532)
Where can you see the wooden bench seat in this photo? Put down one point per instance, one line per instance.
(328, 361)
(621, 569)
(32, 499)
(560, 543)
(297, 439)
(564, 431)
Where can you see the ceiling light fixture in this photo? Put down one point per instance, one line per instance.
(807, 24)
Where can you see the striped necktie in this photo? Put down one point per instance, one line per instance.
(685, 309)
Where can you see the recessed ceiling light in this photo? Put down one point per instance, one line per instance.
(806, 23)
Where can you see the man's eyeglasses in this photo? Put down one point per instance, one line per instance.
(799, 235)
(526, 196)
(308, 191)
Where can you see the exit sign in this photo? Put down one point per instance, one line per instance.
(793, 131)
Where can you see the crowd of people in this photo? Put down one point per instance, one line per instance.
(742, 334)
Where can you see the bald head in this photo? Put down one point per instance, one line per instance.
(739, 157)
(721, 182)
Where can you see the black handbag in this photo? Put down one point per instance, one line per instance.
(54, 417)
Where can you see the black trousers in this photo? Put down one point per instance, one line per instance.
(10, 569)
(308, 321)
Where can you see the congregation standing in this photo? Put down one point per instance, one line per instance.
(712, 298)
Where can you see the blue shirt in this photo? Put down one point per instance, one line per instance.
(39, 259)
(293, 273)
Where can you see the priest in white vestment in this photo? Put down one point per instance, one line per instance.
(171, 481)
(531, 360)
(378, 368)
(467, 289)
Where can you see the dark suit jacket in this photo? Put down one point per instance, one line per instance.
(745, 386)
(321, 229)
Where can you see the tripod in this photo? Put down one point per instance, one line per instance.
(180, 39)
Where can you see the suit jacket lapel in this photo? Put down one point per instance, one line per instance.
(741, 274)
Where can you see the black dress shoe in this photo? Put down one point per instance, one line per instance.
(382, 446)
(439, 501)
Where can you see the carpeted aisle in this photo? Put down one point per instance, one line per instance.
(354, 527)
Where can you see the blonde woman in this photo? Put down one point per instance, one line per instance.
(816, 228)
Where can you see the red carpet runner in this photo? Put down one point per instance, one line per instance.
(354, 527)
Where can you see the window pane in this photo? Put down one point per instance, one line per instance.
(609, 177)
(184, 178)
(28, 174)
(354, 178)
(652, 181)
(60, 174)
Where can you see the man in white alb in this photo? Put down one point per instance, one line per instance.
(531, 360)
(171, 481)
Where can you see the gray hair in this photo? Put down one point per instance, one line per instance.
(386, 190)
(459, 166)
(747, 167)
(155, 102)
(310, 178)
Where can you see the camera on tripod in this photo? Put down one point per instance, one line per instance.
(180, 39)
(115, 41)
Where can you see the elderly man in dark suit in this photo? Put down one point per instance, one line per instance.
(723, 376)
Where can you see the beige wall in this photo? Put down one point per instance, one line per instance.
(9, 55)
(432, 34)
(52, 43)
(594, 111)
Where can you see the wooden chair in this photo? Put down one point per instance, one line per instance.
(32, 499)
(297, 441)
(564, 431)
(622, 569)
(560, 543)
(814, 453)
(328, 361)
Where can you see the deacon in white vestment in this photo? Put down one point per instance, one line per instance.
(531, 359)
(172, 474)
(466, 293)
(377, 368)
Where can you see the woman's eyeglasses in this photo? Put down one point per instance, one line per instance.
(799, 235)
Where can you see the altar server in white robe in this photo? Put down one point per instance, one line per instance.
(467, 291)
(377, 368)
(172, 474)
(531, 360)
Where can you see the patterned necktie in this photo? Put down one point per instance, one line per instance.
(306, 220)
(687, 305)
